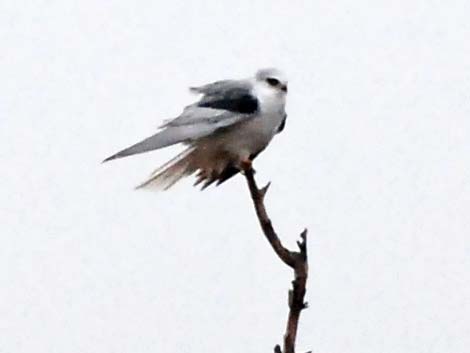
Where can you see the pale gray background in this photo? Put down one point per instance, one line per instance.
(375, 160)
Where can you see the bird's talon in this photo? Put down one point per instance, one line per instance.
(246, 165)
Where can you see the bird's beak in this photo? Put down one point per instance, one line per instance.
(284, 88)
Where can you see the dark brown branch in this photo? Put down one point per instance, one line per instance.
(297, 260)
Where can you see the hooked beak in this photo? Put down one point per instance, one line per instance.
(284, 88)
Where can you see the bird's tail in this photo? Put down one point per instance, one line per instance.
(171, 172)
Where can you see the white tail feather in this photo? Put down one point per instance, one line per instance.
(171, 172)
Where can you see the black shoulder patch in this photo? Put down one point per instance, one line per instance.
(245, 104)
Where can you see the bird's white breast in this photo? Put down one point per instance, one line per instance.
(271, 108)
(254, 135)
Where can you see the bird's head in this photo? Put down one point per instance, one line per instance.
(272, 79)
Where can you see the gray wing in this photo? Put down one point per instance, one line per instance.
(224, 103)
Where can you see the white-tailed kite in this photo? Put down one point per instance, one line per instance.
(225, 130)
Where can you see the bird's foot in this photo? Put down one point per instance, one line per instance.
(246, 165)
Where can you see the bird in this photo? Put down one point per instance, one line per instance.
(233, 121)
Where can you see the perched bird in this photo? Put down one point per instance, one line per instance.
(233, 121)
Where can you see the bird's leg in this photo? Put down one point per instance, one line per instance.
(245, 164)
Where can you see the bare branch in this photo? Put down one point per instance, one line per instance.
(297, 260)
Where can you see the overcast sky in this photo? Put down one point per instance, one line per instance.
(374, 160)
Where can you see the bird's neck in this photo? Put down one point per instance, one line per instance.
(270, 101)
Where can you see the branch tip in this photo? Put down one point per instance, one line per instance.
(302, 244)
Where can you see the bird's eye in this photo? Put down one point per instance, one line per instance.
(272, 81)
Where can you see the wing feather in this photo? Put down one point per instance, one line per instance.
(223, 104)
